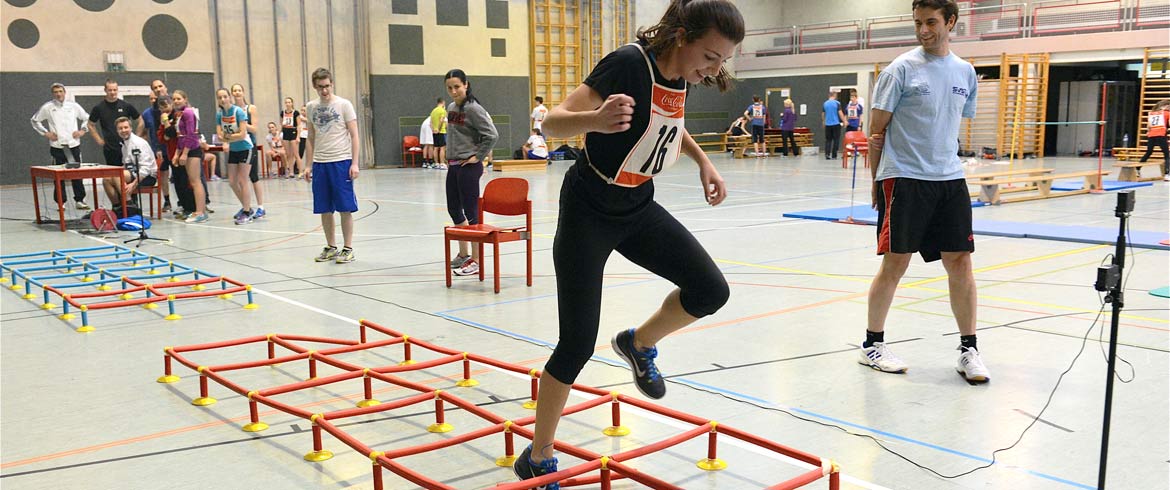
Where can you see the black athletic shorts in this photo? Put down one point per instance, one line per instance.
(440, 140)
(757, 134)
(244, 156)
(928, 217)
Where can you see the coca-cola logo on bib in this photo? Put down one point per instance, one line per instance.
(671, 102)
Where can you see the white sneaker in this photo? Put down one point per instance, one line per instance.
(882, 359)
(82, 204)
(971, 366)
(469, 268)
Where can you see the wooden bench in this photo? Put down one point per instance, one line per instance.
(518, 165)
(975, 179)
(1135, 154)
(714, 142)
(990, 192)
(773, 143)
(1129, 171)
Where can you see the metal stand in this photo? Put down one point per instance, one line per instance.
(142, 236)
(1109, 280)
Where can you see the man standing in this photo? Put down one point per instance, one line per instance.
(439, 134)
(137, 155)
(538, 113)
(64, 134)
(918, 189)
(105, 113)
(332, 150)
(150, 123)
(756, 112)
(832, 118)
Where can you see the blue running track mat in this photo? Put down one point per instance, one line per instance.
(1108, 185)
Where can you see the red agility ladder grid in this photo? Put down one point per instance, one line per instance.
(597, 468)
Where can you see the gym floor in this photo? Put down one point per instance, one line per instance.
(84, 410)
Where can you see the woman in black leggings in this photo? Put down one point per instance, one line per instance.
(631, 110)
(471, 135)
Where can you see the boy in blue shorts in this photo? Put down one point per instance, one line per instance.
(332, 148)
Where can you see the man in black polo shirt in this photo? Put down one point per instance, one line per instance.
(105, 113)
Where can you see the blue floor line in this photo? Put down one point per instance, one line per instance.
(762, 401)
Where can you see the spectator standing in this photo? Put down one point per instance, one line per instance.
(439, 128)
(538, 113)
(333, 146)
(832, 117)
(756, 111)
(149, 130)
(853, 113)
(62, 122)
(105, 134)
(787, 130)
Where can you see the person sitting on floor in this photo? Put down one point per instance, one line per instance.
(738, 127)
(536, 148)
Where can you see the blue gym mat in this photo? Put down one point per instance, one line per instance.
(1014, 229)
(1107, 185)
(1162, 292)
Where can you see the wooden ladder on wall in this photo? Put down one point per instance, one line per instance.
(1023, 103)
(1155, 87)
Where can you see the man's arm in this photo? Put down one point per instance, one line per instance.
(355, 141)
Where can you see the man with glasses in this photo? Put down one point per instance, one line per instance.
(332, 148)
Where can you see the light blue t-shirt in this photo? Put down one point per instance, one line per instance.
(832, 112)
(928, 96)
(756, 111)
(231, 120)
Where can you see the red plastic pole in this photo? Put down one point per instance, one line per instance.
(466, 368)
(509, 447)
(271, 349)
(711, 444)
(368, 387)
(406, 349)
(312, 367)
(317, 446)
(605, 476)
(377, 471)
(534, 385)
(617, 412)
(835, 480)
(202, 385)
(1101, 137)
(167, 365)
(253, 411)
(439, 410)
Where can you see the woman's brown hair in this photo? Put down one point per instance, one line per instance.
(695, 18)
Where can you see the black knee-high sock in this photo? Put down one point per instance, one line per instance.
(872, 337)
(967, 342)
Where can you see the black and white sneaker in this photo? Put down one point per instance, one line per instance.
(646, 376)
(526, 469)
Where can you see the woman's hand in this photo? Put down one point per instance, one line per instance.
(714, 189)
(615, 114)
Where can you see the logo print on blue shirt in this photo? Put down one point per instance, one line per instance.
(959, 91)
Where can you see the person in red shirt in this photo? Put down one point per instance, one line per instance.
(1156, 135)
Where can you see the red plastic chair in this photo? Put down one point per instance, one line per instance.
(855, 141)
(409, 142)
(505, 196)
(153, 195)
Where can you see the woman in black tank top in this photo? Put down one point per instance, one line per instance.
(631, 110)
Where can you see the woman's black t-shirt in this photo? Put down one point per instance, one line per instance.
(623, 71)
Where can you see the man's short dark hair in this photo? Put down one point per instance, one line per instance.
(950, 10)
(120, 120)
(539, 99)
(321, 74)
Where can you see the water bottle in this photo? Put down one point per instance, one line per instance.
(1125, 141)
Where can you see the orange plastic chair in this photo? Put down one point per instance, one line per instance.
(154, 194)
(409, 142)
(855, 141)
(505, 196)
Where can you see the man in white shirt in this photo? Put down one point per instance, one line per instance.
(58, 121)
(136, 152)
(333, 149)
(538, 113)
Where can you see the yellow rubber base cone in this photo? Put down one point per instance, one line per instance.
(203, 401)
(173, 316)
(29, 296)
(225, 296)
(318, 456)
(616, 431)
(467, 383)
(255, 427)
(368, 403)
(711, 464)
(67, 316)
(150, 306)
(530, 404)
(440, 428)
(104, 287)
(48, 306)
(168, 379)
(505, 461)
(407, 363)
(251, 306)
(85, 329)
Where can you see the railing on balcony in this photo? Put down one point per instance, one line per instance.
(1073, 16)
(1009, 21)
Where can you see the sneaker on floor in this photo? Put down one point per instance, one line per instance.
(239, 214)
(81, 204)
(971, 366)
(345, 256)
(470, 267)
(166, 208)
(259, 213)
(327, 254)
(179, 215)
(207, 209)
(440, 166)
(197, 218)
(244, 218)
(526, 469)
(882, 359)
(646, 376)
(1166, 178)
(458, 261)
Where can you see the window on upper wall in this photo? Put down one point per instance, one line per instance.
(406, 44)
(499, 48)
(497, 14)
(409, 7)
(451, 12)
